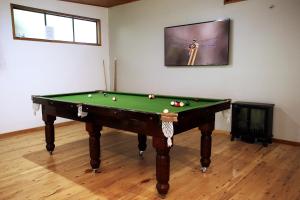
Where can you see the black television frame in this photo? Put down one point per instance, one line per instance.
(228, 43)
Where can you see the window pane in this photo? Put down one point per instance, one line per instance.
(59, 28)
(29, 24)
(85, 31)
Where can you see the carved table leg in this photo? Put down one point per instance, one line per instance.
(162, 164)
(206, 131)
(94, 143)
(142, 143)
(49, 132)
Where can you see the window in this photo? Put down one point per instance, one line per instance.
(60, 28)
(29, 24)
(41, 25)
(84, 31)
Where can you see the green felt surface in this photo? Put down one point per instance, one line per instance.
(136, 102)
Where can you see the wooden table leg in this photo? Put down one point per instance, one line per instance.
(206, 132)
(162, 164)
(142, 143)
(49, 132)
(94, 144)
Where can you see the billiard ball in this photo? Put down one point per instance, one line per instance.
(89, 95)
(114, 99)
(172, 103)
(177, 104)
(151, 96)
(181, 104)
(165, 110)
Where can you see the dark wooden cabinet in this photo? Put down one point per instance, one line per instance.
(252, 122)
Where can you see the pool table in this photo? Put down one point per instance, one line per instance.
(138, 113)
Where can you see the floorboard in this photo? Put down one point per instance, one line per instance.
(238, 170)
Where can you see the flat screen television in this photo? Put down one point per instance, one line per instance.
(199, 44)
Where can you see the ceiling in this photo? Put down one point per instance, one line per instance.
(102, 3)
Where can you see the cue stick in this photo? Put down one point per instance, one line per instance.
(103, 64)
(194, 56)
(115, 74)
(193, 49)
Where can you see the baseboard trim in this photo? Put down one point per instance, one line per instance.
(26, 131)
(292, 143)
(222, 132)
(275, 140)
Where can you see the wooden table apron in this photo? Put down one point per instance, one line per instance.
(138, 122)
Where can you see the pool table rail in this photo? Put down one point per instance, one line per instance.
(127, 119)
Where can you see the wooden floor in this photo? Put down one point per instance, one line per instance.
(238, 170)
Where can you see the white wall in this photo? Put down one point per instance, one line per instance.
(28, 67)
(264, 54)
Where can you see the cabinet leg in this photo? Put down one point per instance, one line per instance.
(232, 137)
(265, 143)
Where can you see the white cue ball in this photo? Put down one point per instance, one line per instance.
(114, 98)
(166, 111)
(89, 95)
(172, 103)
(181, 104)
